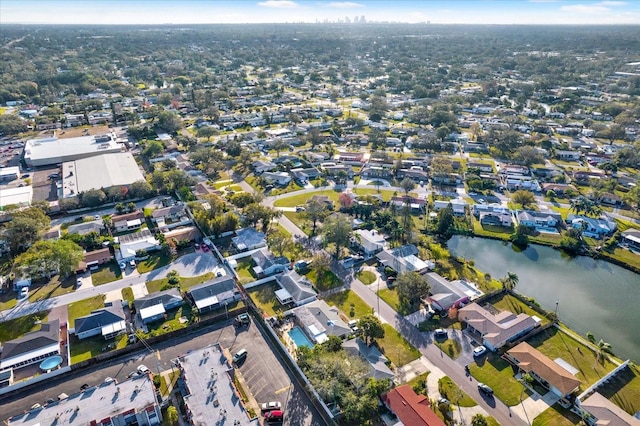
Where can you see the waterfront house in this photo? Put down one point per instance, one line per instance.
(545, 221)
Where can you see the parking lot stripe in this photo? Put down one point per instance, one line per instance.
(284, 389)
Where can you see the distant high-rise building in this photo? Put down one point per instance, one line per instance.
(355, 19)
(347, 20)
(362, 20)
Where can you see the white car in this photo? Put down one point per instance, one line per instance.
(108, 380)
(142, 369)
(479, 351)
(24, 292)
(270, 406)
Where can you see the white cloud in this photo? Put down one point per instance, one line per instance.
(586, 8)
(612, 3)
(344, 5)
(279, 4)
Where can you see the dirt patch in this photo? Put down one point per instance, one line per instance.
(74, 132)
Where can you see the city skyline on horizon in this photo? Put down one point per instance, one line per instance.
(490, 12)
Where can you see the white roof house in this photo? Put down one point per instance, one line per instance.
(131, 243)
(20, 196)
(100, 171)
(42, 152)
(371, 241)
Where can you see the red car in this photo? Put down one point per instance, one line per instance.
(274, 416)
(205, 247)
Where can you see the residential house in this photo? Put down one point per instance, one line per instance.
(334, 169)
(267, 264)
(451, 179)
(208, 389)
(261, 166)
(496, 330)
(599, 410)
(551, 374)
(132, 244)
(170, 217)
(458, 206)
(558, 188)
(403, 259)
(377, 171)
(319, 321)
(322, 199)
(414, 203)
(85, 228)
(544, 221)
(6, 378)
(295, 289)
(378, 363)
(631, 239)
(31, 348)
(568, 155)
(611, 199)
(483, 167)
(583, 176)
(351, 158)
(495, 218)
(443, 294)
(214, 293)
(592, 227)
(107, 322)
(304, 175)
(249, 239)
(52, 234)
(127, 222)
(410, 408)
(153, 307)
(416, 174)
(370, 242)
(181, 234)
(92, 259)
(128, 402)
(277, 178)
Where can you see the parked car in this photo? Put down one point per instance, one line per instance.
(24, 292)
(440, 332)
(84, 386)
(300, 209)
(205, 248)
(479, 351)
(274, 416)
(240, 356)
(485, 389)
(36, 406)
(108, 380)
(270, 406)
(78, 282)
(243, 319)
(123, 266)
(142, 369)
(132, 262)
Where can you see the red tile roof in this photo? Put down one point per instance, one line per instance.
(410, 408)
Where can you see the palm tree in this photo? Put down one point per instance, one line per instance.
(603, 348)
(510, 281)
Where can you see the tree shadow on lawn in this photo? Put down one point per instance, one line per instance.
(46, 289)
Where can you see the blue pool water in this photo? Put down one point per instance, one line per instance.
(299, 338)
(51, 362)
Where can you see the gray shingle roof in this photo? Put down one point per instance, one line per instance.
(49, 333)
(165, 297)
(110, 314)
(213, 287)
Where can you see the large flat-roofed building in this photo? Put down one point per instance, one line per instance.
(209, 392)
(132, 402)
(18, 196)
(100, 171)
(46, 151)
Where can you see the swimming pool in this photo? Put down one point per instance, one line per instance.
(299, 338)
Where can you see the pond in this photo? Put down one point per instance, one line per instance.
(592, 295)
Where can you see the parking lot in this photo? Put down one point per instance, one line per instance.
(263, 374)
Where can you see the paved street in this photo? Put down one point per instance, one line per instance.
(190, 265)
(265, 376)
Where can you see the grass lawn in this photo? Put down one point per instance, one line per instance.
(127, 294)
(300, 199)
(623, 255)
(8, 300)
(386, 194)
(185, 283)
(171, 321)
(53, 288)
(82, 350)
(419, 383)
(450, 347)
(557, 344)
(304, 225)
(264, 296)
(624, 389)
(390, 295)
(448, 389)
(106, 274)
(367, 277)
(18, 327)
(349, 303)
(155, 261)
(396, 348)
(556, 416)
(325, 280)
(222, 183)
(244, 270)
(84, 307)
(507, 302)
(498, 374)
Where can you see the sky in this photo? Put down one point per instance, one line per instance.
(510, 12)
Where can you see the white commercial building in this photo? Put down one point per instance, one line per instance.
(19, 196)
(46, 151)
(100, 171)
